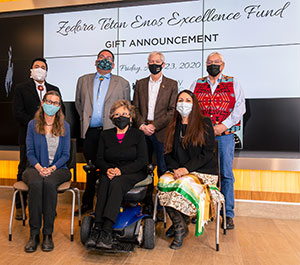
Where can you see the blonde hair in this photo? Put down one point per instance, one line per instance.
(122, 103)
(58, 128)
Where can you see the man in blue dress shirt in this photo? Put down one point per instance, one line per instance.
(95, 94)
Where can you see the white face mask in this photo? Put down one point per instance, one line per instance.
(184, 108)
(38, 74)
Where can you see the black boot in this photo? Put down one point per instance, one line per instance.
(32, 243)
(171, 232)
(47, 244)
(179, 227)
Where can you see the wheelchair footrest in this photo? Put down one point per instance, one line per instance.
(118, 247)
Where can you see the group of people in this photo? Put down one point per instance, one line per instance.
(120, 138)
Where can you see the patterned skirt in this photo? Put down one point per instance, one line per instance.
(194, 194)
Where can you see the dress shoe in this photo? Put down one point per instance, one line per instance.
(105, 240)
(19, 214)
(229, 223)
(84, 209)
(32, 243)
(93, 238)
(47, 244)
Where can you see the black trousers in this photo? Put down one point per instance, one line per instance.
(111, 192)
(90, 148)
(43, 198)
(23, 164)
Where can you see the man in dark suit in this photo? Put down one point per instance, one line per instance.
(95, 94)
(154, 100)
(27, 100)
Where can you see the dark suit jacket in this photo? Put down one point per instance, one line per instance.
(164, 107)
(26, 103)
(130, 156)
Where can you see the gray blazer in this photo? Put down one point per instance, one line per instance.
(118, 89)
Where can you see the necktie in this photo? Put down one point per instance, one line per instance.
(101, 78)
(41, 88)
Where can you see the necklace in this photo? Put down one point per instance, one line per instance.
(48, 124)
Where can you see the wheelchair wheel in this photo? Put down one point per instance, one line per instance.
(149, 233)
(85, 228)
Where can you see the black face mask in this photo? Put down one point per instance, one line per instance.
(121, 122)
(155, 68)
(213, 69)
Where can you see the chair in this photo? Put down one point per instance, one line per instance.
(21, 186)
(216, 155)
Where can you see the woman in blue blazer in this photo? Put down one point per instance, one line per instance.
(48, 150)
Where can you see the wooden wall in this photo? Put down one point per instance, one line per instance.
(283, 186)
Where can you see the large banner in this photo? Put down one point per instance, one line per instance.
(260, 41)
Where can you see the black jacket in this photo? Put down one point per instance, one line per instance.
(130, 156)
(200, 158)
(26, 103)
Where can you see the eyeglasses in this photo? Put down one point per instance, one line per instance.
(117, 115)
(214, 62)
(55, 103)
(101, 57)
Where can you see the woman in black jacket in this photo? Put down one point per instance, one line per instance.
(189, 185)
(122, 160)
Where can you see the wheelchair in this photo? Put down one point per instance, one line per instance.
(132, 227)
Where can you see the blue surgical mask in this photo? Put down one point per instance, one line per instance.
(104, 64)
(184, 108)
(50, 109)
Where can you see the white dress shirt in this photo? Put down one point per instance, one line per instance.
(153, 88)
(41, 95)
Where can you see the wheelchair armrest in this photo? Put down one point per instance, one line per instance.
(150, 169)
(89, 167)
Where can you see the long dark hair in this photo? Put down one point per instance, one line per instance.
(58, 128)
(195, 128)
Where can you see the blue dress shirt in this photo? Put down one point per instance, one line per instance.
(98, 99)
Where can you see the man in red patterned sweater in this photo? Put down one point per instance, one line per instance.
(222, 99)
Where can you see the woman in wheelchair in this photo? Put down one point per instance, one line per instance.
(48, 149)
(189, 185)
(122, 160)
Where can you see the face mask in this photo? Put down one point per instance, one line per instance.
(50, 109)
(213, 69)
(155, 68)
(121, 122)
(184, 108)
(38, 74)
(104, 64)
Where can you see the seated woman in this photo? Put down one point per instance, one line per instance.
(192, 169)
(48, 150)
(122, 160)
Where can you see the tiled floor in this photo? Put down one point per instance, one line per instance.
(254, 241)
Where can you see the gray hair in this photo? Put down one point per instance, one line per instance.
(216, 53)
(162, 57)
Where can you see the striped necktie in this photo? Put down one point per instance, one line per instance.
(101, 78)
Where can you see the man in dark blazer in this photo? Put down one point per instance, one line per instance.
(27, 100)
(154, 100)
(95, 94)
